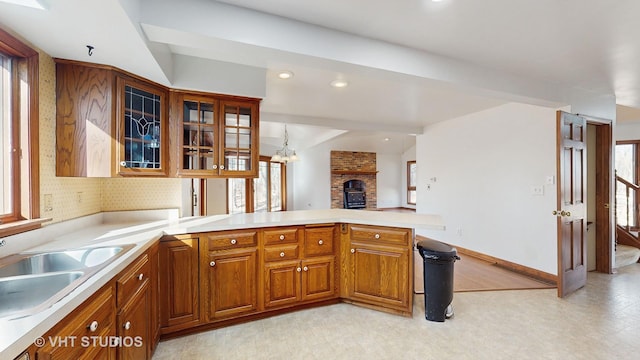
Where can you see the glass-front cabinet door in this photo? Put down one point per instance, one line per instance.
(199, 130)
(217, 138)
(240, 146)
(142, 129)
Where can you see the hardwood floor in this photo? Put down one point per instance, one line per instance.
(472, 274)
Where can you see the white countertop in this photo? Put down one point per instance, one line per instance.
(18, 334)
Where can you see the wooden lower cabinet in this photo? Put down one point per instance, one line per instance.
(230, 281)
(179, 283)
(82, 334)
(133, 327)
(379, 263)
(290, 282)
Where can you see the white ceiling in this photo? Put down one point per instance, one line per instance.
(409, 63)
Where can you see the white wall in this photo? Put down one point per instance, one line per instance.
(388, 181)
(409, 155)
(310, 178)
(216, 196)
(627, 131)
(311, 181)
(484, 165)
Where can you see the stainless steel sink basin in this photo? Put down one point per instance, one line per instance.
(30, 282)
(74, 259)
(19, 293)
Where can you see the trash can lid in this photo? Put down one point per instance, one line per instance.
(432, 249)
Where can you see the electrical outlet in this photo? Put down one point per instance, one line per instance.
(537, 190)
(80, 197)
(459, 231)
(48, 202)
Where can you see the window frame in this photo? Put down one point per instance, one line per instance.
(249, 188)
(410, 187)
(26, 159)
(635, 223)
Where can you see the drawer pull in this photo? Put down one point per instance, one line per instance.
(234, 241)
(377, 236)
(93, 326)
(140, 277)
(353, 251)
(298, 269)
(282, 254)
(281, 237)
(127, 325)
(320, 242)
(212, 264)
(305, 268)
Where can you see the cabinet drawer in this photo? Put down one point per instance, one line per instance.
(285, 252)
(231, 240)
(380, 234)
(318, 241)
(129, 283)
(280, 236)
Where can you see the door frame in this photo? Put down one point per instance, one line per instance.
(605, 185)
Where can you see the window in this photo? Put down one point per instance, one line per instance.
(266, 192)
(19, 138)
(411, 182)
(626, 154)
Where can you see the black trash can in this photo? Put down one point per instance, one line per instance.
(438, 259)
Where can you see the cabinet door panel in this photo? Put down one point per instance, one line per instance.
(133, 327)
(179, 290)
(232, 283)
(390, 284)
(318, 278)
(282, 283)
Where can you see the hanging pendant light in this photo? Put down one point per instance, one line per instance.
(284, 154)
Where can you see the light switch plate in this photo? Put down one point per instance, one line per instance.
(537, 190)
(550, 180)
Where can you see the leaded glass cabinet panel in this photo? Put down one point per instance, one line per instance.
(142, 129)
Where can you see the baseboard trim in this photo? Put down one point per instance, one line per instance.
(524, 270)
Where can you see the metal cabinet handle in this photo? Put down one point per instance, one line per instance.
(212, 264)
(281, 237)
(127, 325)
(353, 251)
(93, 326)
(282, 254)
(140, 277)
(123, 163)
(298, 269)
(320, 242)
(214, 167)
(221, 167)
(305, 268)
(377, 236)
(234, 241)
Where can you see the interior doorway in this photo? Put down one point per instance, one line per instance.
(600, 220)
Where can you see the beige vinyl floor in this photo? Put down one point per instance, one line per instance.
(600, 321)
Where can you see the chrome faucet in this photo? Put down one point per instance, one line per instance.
(2, 243)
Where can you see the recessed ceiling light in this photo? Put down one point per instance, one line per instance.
(339, 83)
(285, 74)
(36, 4)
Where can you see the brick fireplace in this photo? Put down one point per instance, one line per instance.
(353, 165)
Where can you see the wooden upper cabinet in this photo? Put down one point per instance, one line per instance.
(142, 128)
(215, 135)
(109, 123)
(85, 101)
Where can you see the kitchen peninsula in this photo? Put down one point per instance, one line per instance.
(214, 271)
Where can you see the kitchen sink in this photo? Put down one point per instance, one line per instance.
(67, 260)
(19, 293)
(33, 281)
